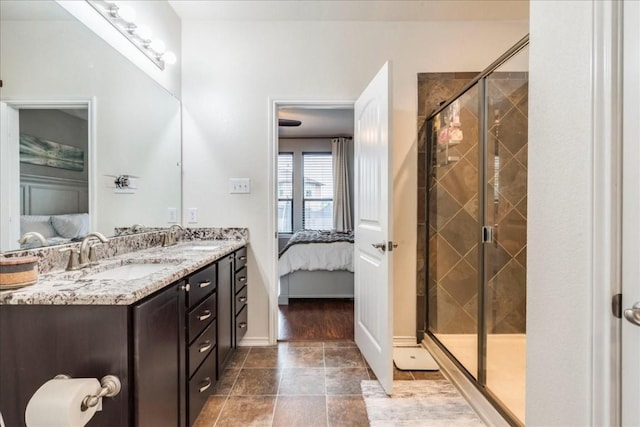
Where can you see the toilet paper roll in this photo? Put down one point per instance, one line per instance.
(57, 403)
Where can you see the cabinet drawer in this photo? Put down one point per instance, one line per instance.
(241, 258)
(201, 284)
(201, 347)
(201, 386)
(241, 324)
(201, 316)
(241, 280)
(241, 300)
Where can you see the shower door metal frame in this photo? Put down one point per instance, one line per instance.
(481, 81)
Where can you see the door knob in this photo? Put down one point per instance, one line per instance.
(382, 246)
(633, 314)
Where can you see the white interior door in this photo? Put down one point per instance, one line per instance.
(9, 178)
(373, 220)
(631, 217)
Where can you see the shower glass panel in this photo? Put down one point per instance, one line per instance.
(476, 216)
(506, 213)
(454, 228)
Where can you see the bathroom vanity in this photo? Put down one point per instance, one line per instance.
(167, 334)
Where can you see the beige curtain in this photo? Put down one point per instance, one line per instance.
(340, 150)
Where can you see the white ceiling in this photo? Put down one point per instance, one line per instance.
(317, 122)
(352, 10)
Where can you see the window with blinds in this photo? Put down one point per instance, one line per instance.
(285, 192)
(317, 197)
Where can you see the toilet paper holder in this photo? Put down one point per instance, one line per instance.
(110, 386)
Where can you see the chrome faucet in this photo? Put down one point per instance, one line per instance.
(137, 228)
(170, 235)
(86, 249)
(32, 234)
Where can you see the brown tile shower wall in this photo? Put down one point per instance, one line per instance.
(453, 234)
(433, 88)
(505, 302)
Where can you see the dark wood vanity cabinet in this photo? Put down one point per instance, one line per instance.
(201, 339)
(167, 349)
(240, 298)
(158, 334)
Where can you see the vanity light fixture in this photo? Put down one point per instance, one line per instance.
(122, 17)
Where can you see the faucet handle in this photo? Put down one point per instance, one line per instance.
(93, 253)
(74, 258)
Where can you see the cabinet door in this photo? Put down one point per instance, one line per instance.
(158, 333)
(225, 315)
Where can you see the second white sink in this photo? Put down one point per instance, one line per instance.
(128, 272)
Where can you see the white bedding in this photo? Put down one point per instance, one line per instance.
(317, 256)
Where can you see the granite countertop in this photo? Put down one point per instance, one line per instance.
(76, 288)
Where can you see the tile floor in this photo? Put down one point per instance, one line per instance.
(298, 383)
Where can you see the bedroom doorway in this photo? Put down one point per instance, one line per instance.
(315, 265)
(47, 147)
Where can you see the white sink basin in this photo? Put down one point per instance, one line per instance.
(209, 246)
(128, 272)
(204, 248)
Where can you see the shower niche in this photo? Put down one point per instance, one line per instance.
(475, 232)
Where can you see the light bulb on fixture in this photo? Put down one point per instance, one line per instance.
(123, 11)
(158, 46)
(144, 32)
(169, 57)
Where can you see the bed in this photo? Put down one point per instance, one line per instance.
(316, 264)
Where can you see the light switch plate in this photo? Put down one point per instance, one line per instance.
(239, 185)
(172, 215)
(192, 215)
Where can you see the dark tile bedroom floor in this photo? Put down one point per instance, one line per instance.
(298, 383)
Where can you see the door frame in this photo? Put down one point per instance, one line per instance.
(9, 156)
(606, 213)
(274, 105)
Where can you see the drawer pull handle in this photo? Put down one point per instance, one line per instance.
(204, 284)
(242, 299)
(243, 258)
(242, 279)
(242, 325)
(205, 315)
(205, 346)
(207, 384)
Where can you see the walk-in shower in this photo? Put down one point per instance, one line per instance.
(476, 229)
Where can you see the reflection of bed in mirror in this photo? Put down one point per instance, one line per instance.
(54, 207)
(316, 264)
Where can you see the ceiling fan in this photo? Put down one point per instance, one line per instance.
(289, 122)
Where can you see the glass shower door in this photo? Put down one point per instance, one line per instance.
(505, 207)
(453, 278)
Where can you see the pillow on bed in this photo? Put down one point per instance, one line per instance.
(38, 223)
(72, 225)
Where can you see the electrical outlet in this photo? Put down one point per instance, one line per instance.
(192, 215)
(239, 185)
(172, 215)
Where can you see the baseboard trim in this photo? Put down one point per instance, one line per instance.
(254, 342)
(404, 341)
(478, 402)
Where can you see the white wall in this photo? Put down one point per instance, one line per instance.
(232, 69)
(559, 228)
(159, 16)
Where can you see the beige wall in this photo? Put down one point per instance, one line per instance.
(231, 71)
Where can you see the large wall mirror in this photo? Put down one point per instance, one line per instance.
(76, 114)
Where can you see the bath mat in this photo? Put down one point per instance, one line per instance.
(433, 403)
(413, 359)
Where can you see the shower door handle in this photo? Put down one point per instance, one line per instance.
(633, 314)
